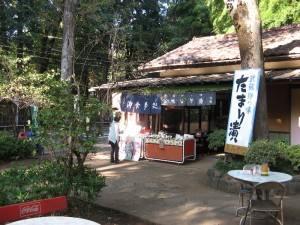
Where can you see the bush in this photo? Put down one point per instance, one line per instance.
(47, 180)
(15, 148)
(225, 167)
(293, 156)
(216, 139)
(283, 165)
(262, 149)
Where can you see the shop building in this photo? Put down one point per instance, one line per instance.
(192, 85)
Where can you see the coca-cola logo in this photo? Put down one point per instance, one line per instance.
(30, 209)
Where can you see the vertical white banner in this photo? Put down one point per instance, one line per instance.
(242, 110)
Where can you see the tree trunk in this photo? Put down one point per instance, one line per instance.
(67, 60)
(43, 64)
(106, 64)
(246, 19)
(68, 50)
(46, 50)
(3, 28)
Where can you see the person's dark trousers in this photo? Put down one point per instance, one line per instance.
(114, 153)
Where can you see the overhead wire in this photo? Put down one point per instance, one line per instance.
(56, 58)
(79, 42)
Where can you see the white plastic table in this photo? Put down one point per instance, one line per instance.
(246, 176)
(57, 220)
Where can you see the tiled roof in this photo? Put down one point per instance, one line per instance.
(279, 43)
(282, 41)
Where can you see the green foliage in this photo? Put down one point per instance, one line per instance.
(284, 165)
(68, 122)
(216, 139)
(28, 86)
(273, 13)
(185, 20)
(262, 149)
(293, 156)
(67, 125)
(114, 37)
(225, 167)
(15, 148)
(47, 180)
(282, 144)
(276, 13)
(220, 17)
(273, 151)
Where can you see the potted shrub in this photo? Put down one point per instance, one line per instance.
(216, 139)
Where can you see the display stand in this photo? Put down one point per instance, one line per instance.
(131, 149)
(170, 150)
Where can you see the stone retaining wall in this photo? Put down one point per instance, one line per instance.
(224, 182)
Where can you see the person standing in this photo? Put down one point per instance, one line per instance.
(113, 138)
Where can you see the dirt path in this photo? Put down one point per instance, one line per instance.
(167, 193)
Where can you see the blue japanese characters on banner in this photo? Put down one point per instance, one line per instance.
(164, 99)
(206, 98)
(169, 99)
(210, 98)
(181, 100)
(191, 99)
(151, 104)
(123, 102)
(130, 101)
(200, 99)
(243, 106)
(155, 104)
(140, 103)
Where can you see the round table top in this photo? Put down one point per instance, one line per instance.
(57, 220)
(245, 175)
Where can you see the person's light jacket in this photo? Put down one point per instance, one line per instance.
(114, 133)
